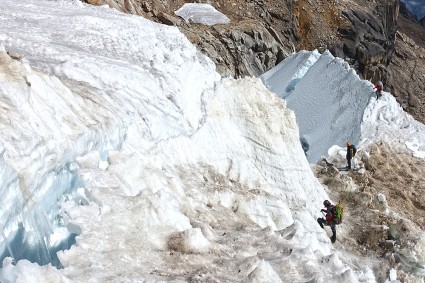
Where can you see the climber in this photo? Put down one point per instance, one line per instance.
(328, 221)
(379, 88)
(351, 152)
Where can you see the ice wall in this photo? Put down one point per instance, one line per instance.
(36, 162)
(171, 157)
(327, 96)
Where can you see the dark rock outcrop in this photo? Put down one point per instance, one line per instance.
(370, 39)
(407, 69)
(168, 19)
(244, 49)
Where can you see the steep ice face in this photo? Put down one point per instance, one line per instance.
(35, 165)
(115, 71)
(146, 86)
(289, 72)
(327, 96)
(333, 105)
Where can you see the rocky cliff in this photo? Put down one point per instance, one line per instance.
(378, 37)
(407, 66)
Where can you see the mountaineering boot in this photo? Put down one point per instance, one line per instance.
(333, 238)
(320, 223)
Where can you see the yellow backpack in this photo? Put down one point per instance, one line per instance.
(338, 213)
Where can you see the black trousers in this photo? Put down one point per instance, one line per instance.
(322, 222)
(349, 163)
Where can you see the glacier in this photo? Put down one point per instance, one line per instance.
(121, 142)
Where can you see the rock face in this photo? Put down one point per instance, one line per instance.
(370, 40)
(407, 66)
(244, 49)
(380, 38)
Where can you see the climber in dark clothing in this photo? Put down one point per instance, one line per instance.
(328, 221)
(379, 86)
(351, 152)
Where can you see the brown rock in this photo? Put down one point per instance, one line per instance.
(94, 2)
(168, 19)
(14, 55)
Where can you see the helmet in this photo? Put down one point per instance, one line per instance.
(347, 144)
(326, 203)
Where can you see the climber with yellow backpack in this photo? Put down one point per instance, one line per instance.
(333, 216)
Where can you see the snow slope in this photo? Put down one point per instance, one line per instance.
(116, 129)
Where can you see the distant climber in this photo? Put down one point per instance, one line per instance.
(379, 88)
(351, 152)
(304, 145)
(328, 220)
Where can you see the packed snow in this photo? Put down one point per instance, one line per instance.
(117, 132)
(199, 13)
